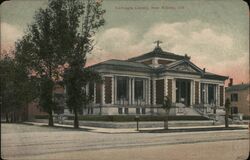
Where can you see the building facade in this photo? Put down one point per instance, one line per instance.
(138, 85)
(239, 97)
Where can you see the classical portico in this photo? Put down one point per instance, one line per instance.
(138, 85)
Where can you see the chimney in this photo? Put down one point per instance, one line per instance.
(204, 69)
(230, 82)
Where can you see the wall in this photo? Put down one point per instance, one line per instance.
(34, 109)
(243, 101)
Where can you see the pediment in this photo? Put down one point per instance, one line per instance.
(185, 66)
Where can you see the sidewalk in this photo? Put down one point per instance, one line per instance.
(149, 130)
(142, 124)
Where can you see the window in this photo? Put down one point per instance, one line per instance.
(143, 111)
(138, 111)
(139, 89)
(91, 89)
(126, 110)
(120, 110)
(202, 93)
(59, 100)
(211, 94)
(234, 110)
(90, 110)
(122, 88)
(234, 97)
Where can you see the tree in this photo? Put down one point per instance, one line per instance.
(80, 44)
(17, 89)
(7, 90)
(61, 34)
(227, 110)
(167, 104)
(76, 79)
(42, 49)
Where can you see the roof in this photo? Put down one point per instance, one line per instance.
(181, 65)
(173, 64)
(158, 52)
(209, 75)
(238, 87)
(123, 64)
(137, 66)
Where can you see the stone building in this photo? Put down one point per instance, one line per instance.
(138, 85)
(35, 110)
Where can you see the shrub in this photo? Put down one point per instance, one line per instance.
(246, 117)
(41, 116)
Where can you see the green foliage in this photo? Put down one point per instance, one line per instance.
(46, 91)
(17, 87)
(62, 33)
(80, 43)
(76, 80)
(41, 116)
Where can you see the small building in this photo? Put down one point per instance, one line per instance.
(138, 85)
(34, 110)
(239, 97)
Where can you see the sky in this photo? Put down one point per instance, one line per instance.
(215, 33)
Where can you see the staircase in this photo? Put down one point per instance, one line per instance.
(208, 111)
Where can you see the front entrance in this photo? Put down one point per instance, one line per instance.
(183, 91)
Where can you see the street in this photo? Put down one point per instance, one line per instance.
(20, 141)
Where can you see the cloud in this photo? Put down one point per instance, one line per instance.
(9, 34)
(207, 45)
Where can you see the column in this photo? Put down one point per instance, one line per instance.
(191, 93)
(94, 93)
(206, 93)
(149, 92)
(103, 92)
(112, 89)
(129, 90)
(133, 91)
(154, 91)
(65, 91)
(215, 95)
(87, 89)
(174, 90)
(115, 89)
(199, 92)
(224, 95)
(218, 95)
(165, 86)
(145, 91)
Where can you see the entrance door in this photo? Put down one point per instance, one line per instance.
(183, 91)
(211, 94)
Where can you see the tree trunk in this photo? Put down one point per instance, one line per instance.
(226, 119)
(76, 121)
(7, 117)
(11, 117)
(51, 122)
(15, 117)
(166, 122)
